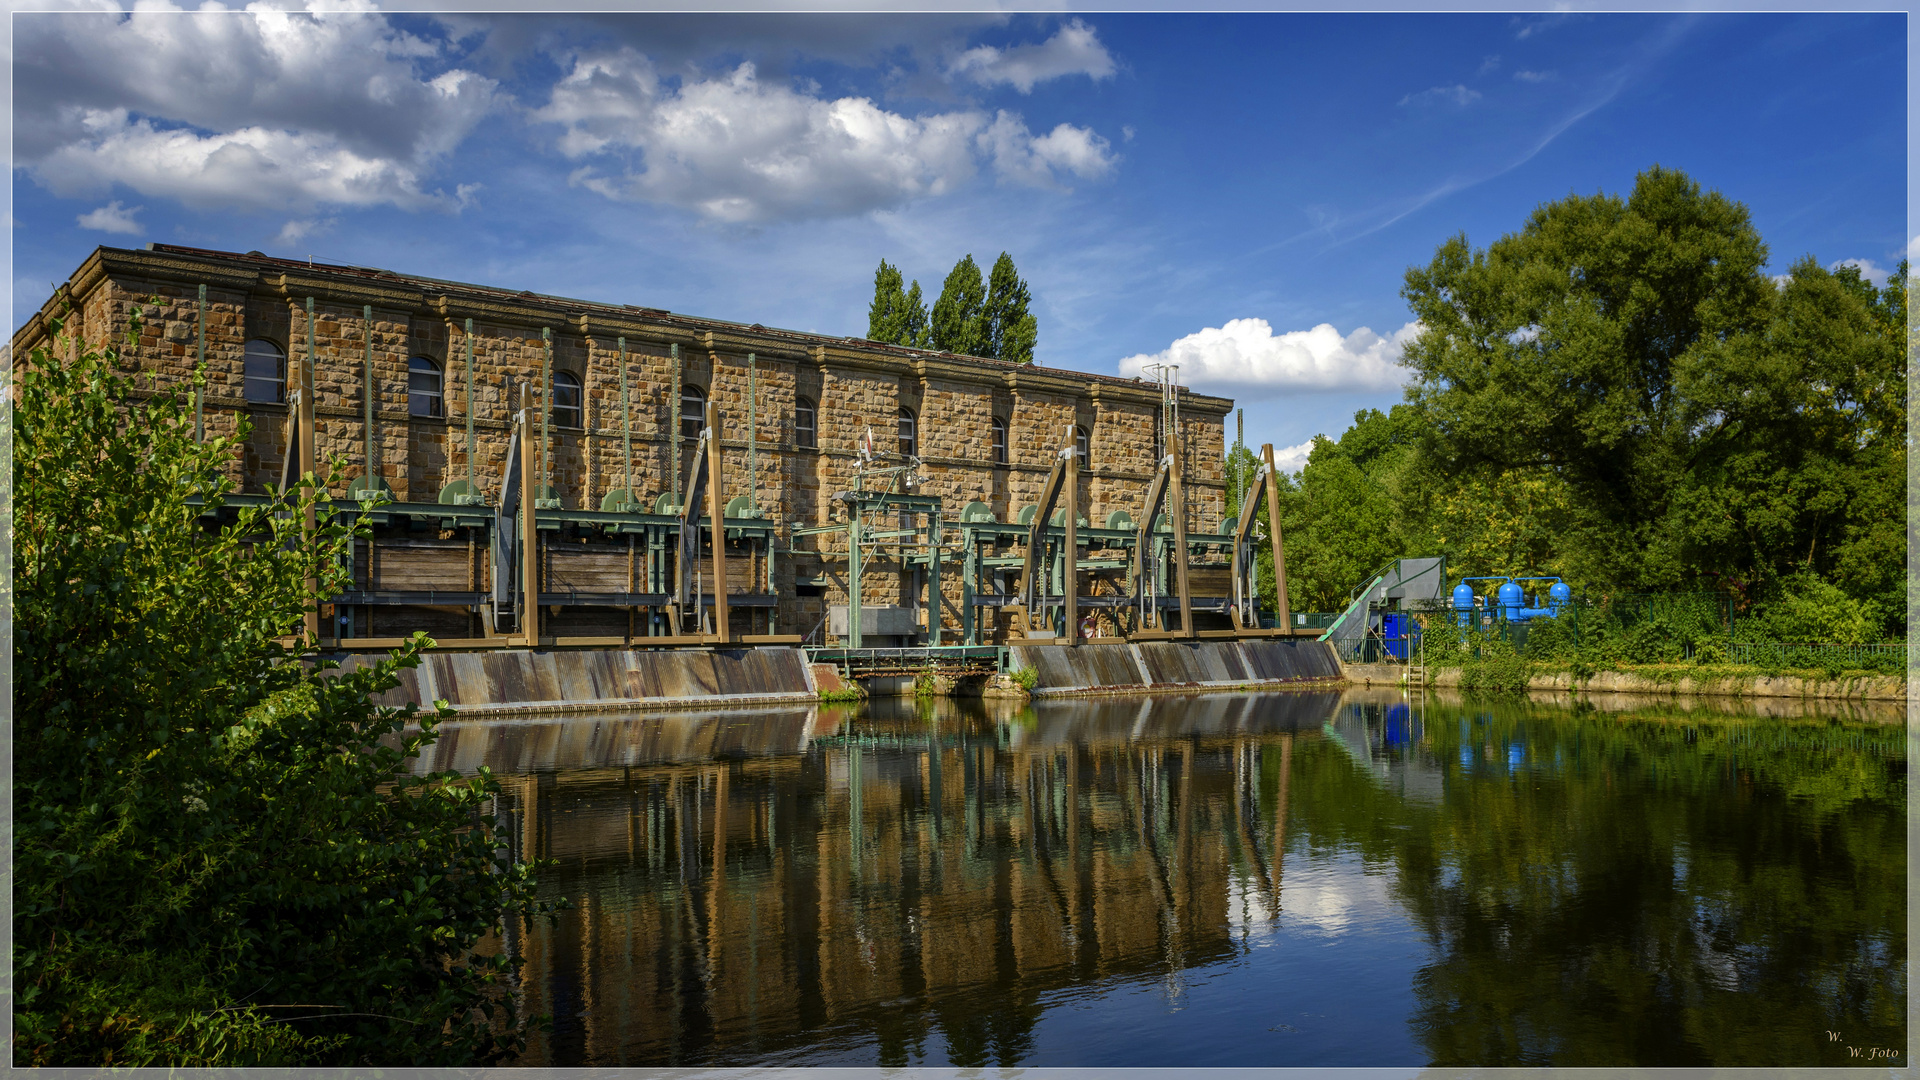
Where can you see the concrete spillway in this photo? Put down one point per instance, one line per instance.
(519, 681)
(1168, 665)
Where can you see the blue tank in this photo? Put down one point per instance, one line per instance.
(1463, 604)
(1512, 600)
(1558, 597)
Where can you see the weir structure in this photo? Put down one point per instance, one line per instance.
(547, 474)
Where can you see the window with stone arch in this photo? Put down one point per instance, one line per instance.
(806, 430)
(999, 441)
(424, 396)
(693, 410)
(1081, 445)
(566, 400)
(909, 433)
(265, 369)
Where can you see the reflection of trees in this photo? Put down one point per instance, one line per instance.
(907, 888)
(1640, 890)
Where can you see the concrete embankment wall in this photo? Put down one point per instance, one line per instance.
(1857, 688)
(525, 681)
(1174, 665)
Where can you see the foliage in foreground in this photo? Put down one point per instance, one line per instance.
(220, 859)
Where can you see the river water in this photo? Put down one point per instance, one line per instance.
(1307, 879)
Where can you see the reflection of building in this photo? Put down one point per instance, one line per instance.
(919, 882)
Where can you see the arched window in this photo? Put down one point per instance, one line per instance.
(999, 441)
(805, 423)
(266, 372)
(909, 433)
(1080, 442)
(423, 388)
(693, 410)
(566, 399)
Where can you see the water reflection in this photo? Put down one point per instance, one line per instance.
(1236, 879)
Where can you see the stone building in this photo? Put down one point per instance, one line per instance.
(441, 351)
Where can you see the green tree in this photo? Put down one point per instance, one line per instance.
(1012, 331)
(959, 323)
(220, 858)
(898, 315)
(1707, 427)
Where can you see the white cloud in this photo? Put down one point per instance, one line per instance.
(252, 168)
(1293, 458)
(1074, 50)
(1913, 250)
(1534, 76)
(737, 149)
(1023, 159)
(262, 108)
(297, 230)
(1246, 355)
(112, 218)
(1867, 270)
(1442, 95)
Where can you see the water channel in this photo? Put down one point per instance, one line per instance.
(1308, 879)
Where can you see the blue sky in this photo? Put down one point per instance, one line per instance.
(1242, 193)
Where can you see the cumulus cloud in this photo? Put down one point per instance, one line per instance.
(297, 230)
(1292, 459)
(1247, 356)
(253, 168)
(1074, 50)
(277, 109)
(1020, 157)
(1443, 95)
(112, 218)
(738, 149)
(1868, 270)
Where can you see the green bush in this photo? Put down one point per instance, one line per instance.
(220, 858)
(1807, 610)
(1025, 677)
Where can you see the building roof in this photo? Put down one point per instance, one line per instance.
(570, 305)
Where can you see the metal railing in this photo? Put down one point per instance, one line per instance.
(1788, 655)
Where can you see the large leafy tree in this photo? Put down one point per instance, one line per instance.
(220, 856)
(1707, 426)
(898, 315)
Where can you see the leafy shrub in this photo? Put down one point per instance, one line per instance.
(1808, 610)
(220, 858)
(1025, 677)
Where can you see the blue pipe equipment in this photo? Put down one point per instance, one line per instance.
(1559, 595)
(1463, 600)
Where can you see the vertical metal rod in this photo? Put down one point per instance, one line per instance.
(934, 530)
(1239, 443)
(373, 462)
(200, 372)
(305, 450)
(1283, 616)
(1177, 512)
(716, 509)
(546, 406)
(626, 427)
(1070, 571)
(853, 577)
(673, 422)
(472, 495)
(753, 440)
(529, 531)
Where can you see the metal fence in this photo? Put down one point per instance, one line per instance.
(1786, 655)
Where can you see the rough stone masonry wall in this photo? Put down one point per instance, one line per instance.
(954, 401)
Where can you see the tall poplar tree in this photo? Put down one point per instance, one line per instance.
(959, 316)
(898, 315)
(1011, 329)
